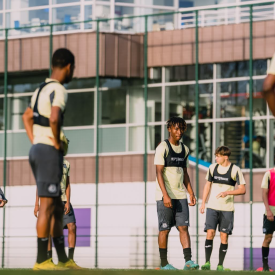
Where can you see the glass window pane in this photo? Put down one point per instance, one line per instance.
(15, 4)
(1, 24)
(196, 3)
(259, 67)
(180, 101)
(136, 105)
(64, 1)
(272, 142)
(136, 139)
(80, 83)
(1, 5)
(154, 75)
(259, 104)
(233, 69)
(154, 104)
(112, 139)
(88, 15)
(125, 23)
(103, 12)
(1, 114)
(232, 99)
(113, 107)
(27, 19)
(158, 22)
(125, 1)
(79, 109)
(16, 108)
(66, 15)
(154, 136)
(235, 135)
(189, 138)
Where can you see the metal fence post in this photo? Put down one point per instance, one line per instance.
(51, 50)
(197, 132)
(145, 137)
(5, 141)
(251, 131)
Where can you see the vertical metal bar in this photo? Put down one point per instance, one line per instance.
(5, 141)
(197, 132)
(51, 50)
(97, 143)
(251, 131)
(145, 142)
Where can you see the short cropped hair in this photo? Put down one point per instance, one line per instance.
(223, 151)
(175, 120)
(62, 57)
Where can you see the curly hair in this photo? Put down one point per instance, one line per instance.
(175, 120)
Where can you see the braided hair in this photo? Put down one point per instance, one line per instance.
(175, 120)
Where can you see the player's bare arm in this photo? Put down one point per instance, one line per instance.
(206, 191)
(166, 199)
(239, 191)
(68, 195)
(268, 92)
(36, 207)
(188, 186)
(28, 123)
(269, 213)
(55, 124)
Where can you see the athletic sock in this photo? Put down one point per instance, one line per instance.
(208, 249)
(71, 253)
(49, 254)
(187, 254)
(223, 250)
(163, 256)
(60, 249)
(265, 253)
(42, 245)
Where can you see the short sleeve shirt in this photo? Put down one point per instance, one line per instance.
(271, 69)
(63, 183)
(173, 176)
(265, 185)
(227, 203)
(53, 94)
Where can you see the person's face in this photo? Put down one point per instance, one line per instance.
(176, 132)
(220, 159)
(69, 72)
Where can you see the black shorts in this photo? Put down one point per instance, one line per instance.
(47, 167)
(176, 216)
(268, 226)
(69, 218)
(225, 220)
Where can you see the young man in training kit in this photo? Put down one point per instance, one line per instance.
(171, 160)
(43, 120)
(268, 194)
(69, 221)
(220, 184)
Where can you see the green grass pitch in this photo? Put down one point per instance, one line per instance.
(118, 272)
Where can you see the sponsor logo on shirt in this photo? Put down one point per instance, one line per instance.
(220, 178)
(177, 159)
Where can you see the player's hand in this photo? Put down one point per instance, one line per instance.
(270, 216)
(222, 195)
(36, 210)
(67, 208)
(57, 146)
(167, 201)
(192, 200)
(202, 208)
(2, 203)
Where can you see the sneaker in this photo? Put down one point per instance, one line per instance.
(168, 267)
(190, 265)
(221, 268)
(70, 264)
(48, 265)
(206, 266)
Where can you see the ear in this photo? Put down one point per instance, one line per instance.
(169, 129)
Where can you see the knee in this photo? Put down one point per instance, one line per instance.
(183, 229)
(268, 239)
(164, 233)
(211, 234)
(71, 227)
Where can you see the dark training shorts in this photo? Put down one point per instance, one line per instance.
(225, 220)
(176, 216)
(47, 167)
(69, 218)
(268, 226)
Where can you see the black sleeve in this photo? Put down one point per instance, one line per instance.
(210, 177)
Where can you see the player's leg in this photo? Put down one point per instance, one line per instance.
(50, 253)
(182, 224)
(211, 222)
(268, 229)
(71, 238)
(226, 224)
(166, 221)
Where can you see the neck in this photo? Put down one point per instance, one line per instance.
(57, 76)
(225, 163)
(173, 141)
